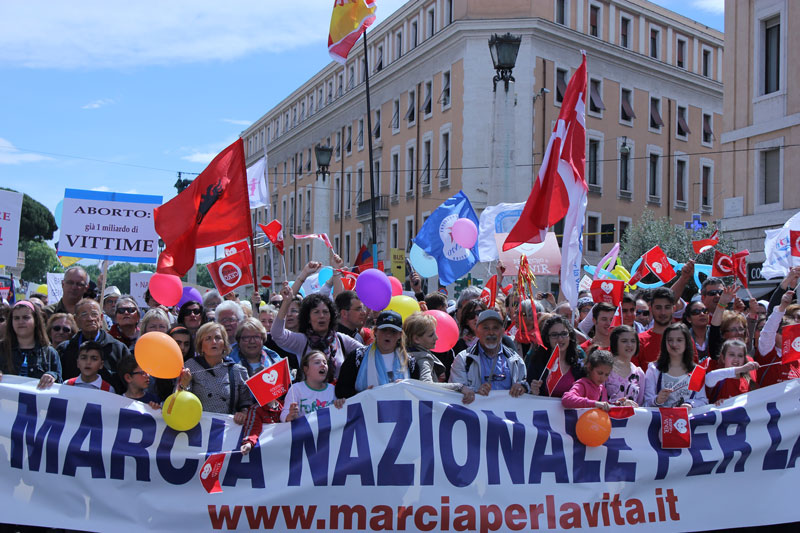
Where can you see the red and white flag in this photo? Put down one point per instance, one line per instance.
(230, 272)
(740, 266)
(620, 412)
(241, 246)
(640, 273)
(209, 474)
(790, 351)
(794, 240)
(271, 383)
(274, 232)
(657, 262)
(560, 189)
(321, 236)
(722, 265)
(702, 245)
(489, 293)
(554, 369)
(617, 320)
(698, 378)
(607, 290)
(675, 429)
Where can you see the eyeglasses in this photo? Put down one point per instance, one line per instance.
(193, 311)
(640, 312)
(715, 292)
(251, 338)
(359, 309)
(559, 335)
(93, 314)
(126, 310)
(228, 320)
(75, 283)
(735, 330)
(696, 312)
(59, 329)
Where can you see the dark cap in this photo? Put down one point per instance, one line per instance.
(389, 320)
(489, 314)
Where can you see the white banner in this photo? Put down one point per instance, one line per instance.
(257, 184)
(10, 214)
(405, 456)
(494, 219)
(109, 225)
(139, 283)
(54, 289)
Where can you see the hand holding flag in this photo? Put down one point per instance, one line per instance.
(702, 245)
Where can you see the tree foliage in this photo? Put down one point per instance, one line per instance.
(203, 277)
(119, 275)
(37, 222)
(40, 258)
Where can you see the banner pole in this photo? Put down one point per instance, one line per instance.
(373, 198)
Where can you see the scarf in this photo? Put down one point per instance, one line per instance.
(377, 375)
(323, 343)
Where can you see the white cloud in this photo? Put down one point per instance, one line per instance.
(237, 122)
(115, 34)
(98, 103)
(205, 153)
(712, 6)
(10, 155)
(200, 157)
(101, 188)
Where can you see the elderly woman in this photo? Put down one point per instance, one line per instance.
(126, 321)
(251, 337)
(217, 381)
(155, 319)
(25, 351)
(60, 327)
(317, 331)
(556, 331)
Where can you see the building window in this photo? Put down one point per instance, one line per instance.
(655, 114)
(348, 193)
(376, 131)
(707, 63)
(655, 41)
(379, 59)
(595, 97)
(448, 11)
(347, 248)
(336, 244)
(708, 133)
(624, 32)
(772, 54)
(622, 228)
(398, 47)
(409, 233)
(348, 146)
(681, 53)
(593, 164)
(654, 178)
(360, 139)
(625, 184)
(592, 233)
(444, 167)
(681, 183)
(395, 116)
(561, 84)
(359, 185)
(426, 165)
(769, 178)
(414, 35)
(561, 11)
(626, 113)
(410, 165)
(351, 77)
(338, 149)
(376, 168)
(445, 96)
(395, 170)
(411, 114)
(394, 236)
(594, 21)
(340, 86)
(430, 27)
(705, 188)
(427, 106)
(337, 187)
(683, 125)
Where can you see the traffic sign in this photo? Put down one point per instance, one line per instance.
(266, 282)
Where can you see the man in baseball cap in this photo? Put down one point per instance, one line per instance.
(110, 297)
(490, 365)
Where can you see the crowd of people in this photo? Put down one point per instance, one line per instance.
(336, 347)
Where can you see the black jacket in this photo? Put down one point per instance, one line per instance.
(113, 352)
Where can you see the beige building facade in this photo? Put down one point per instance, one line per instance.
(654, 106)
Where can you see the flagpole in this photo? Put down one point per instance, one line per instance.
(249, 222)
(371, 165)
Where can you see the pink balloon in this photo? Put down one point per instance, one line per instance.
(397, 287)
(166, 288)
(464, 232)
(446, 331)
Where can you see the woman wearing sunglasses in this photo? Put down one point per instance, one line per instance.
(696, 319)
(192, 316)
(126, 321)
(60, 328)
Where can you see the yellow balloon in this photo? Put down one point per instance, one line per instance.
(182, 410)
(41, 289)
(622, 273)
(404, 305)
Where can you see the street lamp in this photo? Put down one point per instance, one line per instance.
(504, 50)
(182, 183)
(323, 154)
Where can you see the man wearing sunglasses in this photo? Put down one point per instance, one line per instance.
(710, 292)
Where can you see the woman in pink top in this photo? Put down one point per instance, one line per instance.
(590, 391)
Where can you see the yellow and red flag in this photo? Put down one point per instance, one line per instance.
(349, 20)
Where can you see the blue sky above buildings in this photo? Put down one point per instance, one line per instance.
(121, 96)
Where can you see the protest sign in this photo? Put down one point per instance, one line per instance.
(139, 284)
(230, 272)
(398, 256)
(544, 258)
(54, 288)
(10, 213)
(108, 225)
(408, 455)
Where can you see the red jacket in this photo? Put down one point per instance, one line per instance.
(776, 373)
(257, 416)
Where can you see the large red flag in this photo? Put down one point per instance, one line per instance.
(740, 266)
(214, 209)
(675, 429)
(791, 343)
(271, 383)
(657, 262)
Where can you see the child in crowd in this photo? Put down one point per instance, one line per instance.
(137, 381)
(737, 375)
(590, 391)
(90, 362)
(627, 379)
(257, 416)
(314, 393)
(666, 383)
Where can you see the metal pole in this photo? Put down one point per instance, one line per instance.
(371, 165)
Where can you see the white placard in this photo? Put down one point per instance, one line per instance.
(54, 289)
(139, 284)
(10, 213)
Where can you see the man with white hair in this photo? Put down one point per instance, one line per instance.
(230, 315)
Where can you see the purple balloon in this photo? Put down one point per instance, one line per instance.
(374, 289)
(190, 294)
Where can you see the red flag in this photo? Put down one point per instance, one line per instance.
(740, 266)
(640, 273)
(561, 175)
(722, 266)
(794, 237)
(214, 209)
(271, 383)
(209, 474)
(321, 236)
(230, 272)
(507, 288)
(657, 262)
(274, 232)
(607, 290)
(702, 245)
(675, 429)
(790, 351)
(554, 369)
(617, 320)
(620, 412)
(489, 293)
(366, 266)
(241, 246)
(698, 378)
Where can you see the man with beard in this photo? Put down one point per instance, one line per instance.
(662, 305)
(489, 364)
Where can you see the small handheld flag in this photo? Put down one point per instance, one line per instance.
(271, 383)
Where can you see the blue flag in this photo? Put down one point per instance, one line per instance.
(436, 240)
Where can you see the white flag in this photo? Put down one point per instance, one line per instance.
(257, 184)
(498, 218)
(778, 249)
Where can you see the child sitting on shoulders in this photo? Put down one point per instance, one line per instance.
(138, 382)
(590, 391)
(90, 362)
(737, 375)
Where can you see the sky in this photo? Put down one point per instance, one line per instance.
(121, 96)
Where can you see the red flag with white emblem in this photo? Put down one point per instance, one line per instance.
(675, 429)
(274, 232)
(740, 266)
(617, 320)
(657, 262)
(791, 343)
(489, 293)
(722, 265)
(209, 474)
(698, 378)
(702, 245)
(607, 290)
(554, 369)
(230, 272)
(271, 383)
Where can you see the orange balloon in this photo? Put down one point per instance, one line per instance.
(159, 355)
(593, 427)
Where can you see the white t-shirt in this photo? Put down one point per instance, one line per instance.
(96, 384)
(307, 399)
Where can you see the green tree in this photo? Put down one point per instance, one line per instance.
(119, 275)
(203, 277)
(93, 271)
(40, 258)
(37, 222)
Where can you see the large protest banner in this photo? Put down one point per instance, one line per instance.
(10, 213)
(109, 225)
(405, 456)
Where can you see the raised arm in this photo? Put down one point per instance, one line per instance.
(766, 341)
(310, 268)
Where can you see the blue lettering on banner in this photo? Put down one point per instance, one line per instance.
(583, 471)
(361, 464)
(169, 472)
(316, 451)
(512, 446)
(736, 442)
(774, 459)
(700, 442)
(130, 420)
(389, 471)
(617, 470)
(541, 462)
(460, 475)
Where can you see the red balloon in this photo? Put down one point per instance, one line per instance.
(446, 330)
(593, 427)
(397, 287)
(166, 289)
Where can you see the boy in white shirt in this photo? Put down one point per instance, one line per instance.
(90, 362)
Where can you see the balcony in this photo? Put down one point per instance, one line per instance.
(364, 211)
